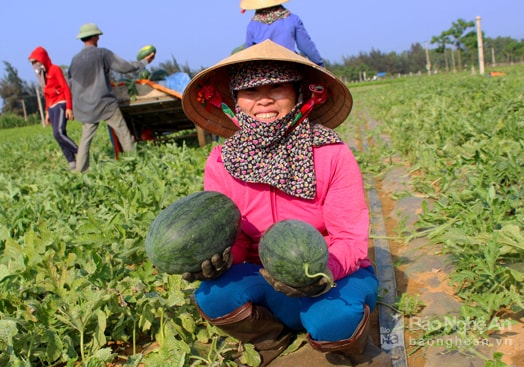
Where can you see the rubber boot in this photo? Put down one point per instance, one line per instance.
(356, 351)
(255, 325)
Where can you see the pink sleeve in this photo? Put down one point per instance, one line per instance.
(346, 216)
(216, 179)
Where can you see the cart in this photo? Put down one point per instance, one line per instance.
(154, 113)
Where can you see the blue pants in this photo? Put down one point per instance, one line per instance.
(331, 317)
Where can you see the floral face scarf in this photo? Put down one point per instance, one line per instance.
(272, 14)
(262, 152)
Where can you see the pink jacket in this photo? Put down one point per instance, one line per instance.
(339, 210)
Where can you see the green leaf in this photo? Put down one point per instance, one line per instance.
(517, 271)
(8, 330)
(250, 356)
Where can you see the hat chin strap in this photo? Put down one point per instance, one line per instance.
(209, 94)
(318, 96)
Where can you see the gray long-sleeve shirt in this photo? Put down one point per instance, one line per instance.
(89, 72)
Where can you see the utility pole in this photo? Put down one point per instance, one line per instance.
(428, 62)
(481, 48)
(24, 109)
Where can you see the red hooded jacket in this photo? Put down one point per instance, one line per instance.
(56, 86)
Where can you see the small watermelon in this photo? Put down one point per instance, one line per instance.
(191, 230)
(144, 51)
(293, 252)
(159, 74)
(144, 74)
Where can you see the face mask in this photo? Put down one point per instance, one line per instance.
(40, 73)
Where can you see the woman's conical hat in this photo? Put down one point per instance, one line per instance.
(331, 113)
(260, 4)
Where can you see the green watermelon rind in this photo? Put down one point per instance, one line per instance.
(287, 246)
(191, 230)
(144, 51)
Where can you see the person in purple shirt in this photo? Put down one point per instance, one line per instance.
(273, 21)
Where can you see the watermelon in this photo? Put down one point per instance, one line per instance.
(292, 250)
(191, 230)
(144, 51)
(144, 74)
(159, 74)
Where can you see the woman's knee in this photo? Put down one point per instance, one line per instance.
(221, 296)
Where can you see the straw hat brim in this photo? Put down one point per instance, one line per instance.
(331, 113)
(260, 4)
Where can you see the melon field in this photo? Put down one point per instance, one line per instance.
(77, 289)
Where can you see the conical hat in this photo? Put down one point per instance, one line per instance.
(260, 4)
(331, 113)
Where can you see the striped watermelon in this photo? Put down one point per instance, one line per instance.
(292, 250)
(144, 51)
(191, 230)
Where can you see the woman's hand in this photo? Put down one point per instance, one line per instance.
(317, 288)
(212, 268)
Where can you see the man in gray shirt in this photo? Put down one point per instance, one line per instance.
(93, 97)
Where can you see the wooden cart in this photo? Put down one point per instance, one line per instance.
(154, 113)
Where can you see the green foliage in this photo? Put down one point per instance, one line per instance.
(75, 282)
(73, 270)
(10, 120)
(18, 96)
(409, 305)
(462, 136)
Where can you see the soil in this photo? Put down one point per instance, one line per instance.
(421, 271)
(435, 281)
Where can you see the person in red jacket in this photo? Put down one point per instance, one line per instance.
(58, 101)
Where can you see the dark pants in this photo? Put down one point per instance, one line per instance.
(59, 122)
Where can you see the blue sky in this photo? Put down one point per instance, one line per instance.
(199, 33)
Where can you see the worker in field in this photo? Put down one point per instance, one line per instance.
(58, 101)
(93, 97)
(273, 21)
(282, 159)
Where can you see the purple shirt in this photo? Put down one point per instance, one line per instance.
(288, 32)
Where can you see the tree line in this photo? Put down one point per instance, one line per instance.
(454, 49)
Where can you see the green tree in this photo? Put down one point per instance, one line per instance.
(416, 59)
(14, 92)
(458, 33)
(442, 41)
(471, 46)
(513, 50)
